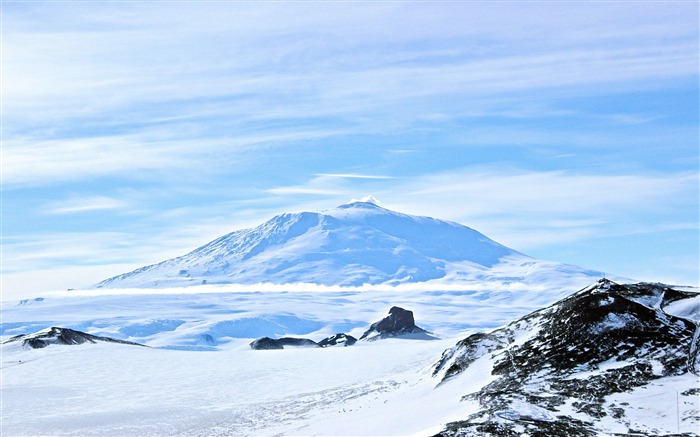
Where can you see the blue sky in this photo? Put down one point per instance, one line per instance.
(137, 131)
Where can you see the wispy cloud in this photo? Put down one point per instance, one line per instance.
(81, 204)
(283, 191)
(136, 155)
(352, 176)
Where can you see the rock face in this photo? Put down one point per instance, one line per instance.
(65, 336)
(399, 322)
(338, 340)
(266, 343)
(554, 371)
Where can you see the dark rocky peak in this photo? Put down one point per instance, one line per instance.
(64, 336)
(338, 340)
(399, 322)
(651, 295)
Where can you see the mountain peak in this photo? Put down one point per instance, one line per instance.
(367, 199)
(360, 205)
(354, 244)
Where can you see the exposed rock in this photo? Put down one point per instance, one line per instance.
(603, 340)
(65, 336)
(338, 340)
(399, 322)
(266, 343)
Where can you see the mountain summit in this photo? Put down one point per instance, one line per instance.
(353, 244)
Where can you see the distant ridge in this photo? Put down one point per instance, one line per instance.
(354, 244)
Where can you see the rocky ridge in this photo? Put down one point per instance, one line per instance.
(554, 370)
(63, 336)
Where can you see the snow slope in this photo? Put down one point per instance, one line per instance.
(354, 244)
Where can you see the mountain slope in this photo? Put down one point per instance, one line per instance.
(354, 244)
(564, 370)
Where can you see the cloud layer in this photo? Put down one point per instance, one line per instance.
(546, 125)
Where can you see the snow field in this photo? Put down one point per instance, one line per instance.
(218, 386)
(380, 388)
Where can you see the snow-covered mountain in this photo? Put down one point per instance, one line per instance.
(354, 244)
(584, 366)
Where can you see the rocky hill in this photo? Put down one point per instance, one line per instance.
(558, 371)
(63, 336)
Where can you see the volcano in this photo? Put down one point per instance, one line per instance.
(354, 244)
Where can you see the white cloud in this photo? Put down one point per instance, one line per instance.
(81, 204)
(283, 191)
(137, 155)
(352, 176)
(292, 60)
(122, 72)
(368, 199)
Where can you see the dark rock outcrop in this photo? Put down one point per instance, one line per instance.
(338, 340)
(399, 322)
(64, 336)
(266, 343)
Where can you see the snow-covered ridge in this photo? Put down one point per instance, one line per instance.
(351, 245)
(562, 370)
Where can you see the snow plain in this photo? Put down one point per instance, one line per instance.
(200, 378)
(106, 389)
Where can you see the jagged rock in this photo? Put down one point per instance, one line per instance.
(605, 339)
(266, 343)
(65, 336)
(338, 340)
(399, 322)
